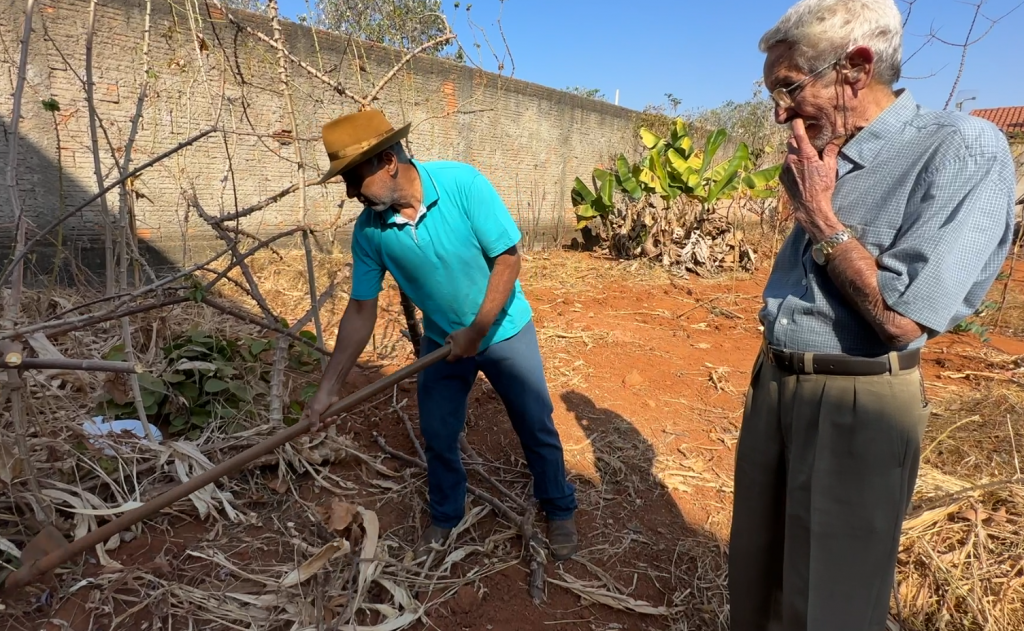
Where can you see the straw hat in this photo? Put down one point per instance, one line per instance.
(352, 138)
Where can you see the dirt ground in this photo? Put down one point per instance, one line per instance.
(648, 380)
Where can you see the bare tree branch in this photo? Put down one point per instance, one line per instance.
(90, 101)
(969, 40)
(19, 257)
(13, 306)
(123, 234)
(281, 347)
(910, 9)
(59, 327)
(963, 54)
(447, 37)
(12, 309)
(334, 85)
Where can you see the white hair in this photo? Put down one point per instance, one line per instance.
(822, 30)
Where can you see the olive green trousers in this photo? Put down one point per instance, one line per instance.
(825, 468)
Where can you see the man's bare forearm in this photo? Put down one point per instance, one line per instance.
(354, 332)
(855, 272)
(499, 288)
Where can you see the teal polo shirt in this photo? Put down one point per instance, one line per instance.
(443, 259)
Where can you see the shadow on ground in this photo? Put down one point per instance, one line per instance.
(636, 531)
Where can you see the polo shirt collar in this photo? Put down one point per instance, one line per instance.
(430, 193)
(864, 146)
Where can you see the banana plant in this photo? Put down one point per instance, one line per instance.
(589, 204)
(674, 167)
(764, 183)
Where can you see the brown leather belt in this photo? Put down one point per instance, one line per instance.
(838, 364)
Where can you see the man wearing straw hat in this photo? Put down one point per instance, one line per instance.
(447, 238)
(903, 217)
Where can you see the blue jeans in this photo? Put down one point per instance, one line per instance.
(514, 369)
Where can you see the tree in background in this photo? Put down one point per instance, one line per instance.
(590, 93)
(753, 121)
(404, 24)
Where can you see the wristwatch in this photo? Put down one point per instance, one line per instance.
(821, 251)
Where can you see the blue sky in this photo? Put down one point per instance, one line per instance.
(706, 54)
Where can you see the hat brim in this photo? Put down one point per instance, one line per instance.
(337, 166)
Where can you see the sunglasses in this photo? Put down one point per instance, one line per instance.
(783, 97)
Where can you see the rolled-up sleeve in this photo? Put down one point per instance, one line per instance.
(956, 233)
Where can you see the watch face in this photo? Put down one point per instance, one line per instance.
(818, 255)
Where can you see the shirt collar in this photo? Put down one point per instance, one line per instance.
(430, 194)
(864, 146)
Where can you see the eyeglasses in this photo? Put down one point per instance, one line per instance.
(783, 97)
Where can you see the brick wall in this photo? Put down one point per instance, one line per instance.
(531, 141)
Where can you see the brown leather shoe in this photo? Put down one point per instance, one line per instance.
(562, 538)
(433, 534)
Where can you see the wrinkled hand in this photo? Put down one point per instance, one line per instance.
(810, 180)
(465, 343)
(316, 407)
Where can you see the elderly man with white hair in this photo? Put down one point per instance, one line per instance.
(903, 218)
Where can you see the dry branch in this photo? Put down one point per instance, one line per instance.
(531, 540)
(280, 344)
(963, 54)
(334, 85)
(238, 314)
(468, 451)
(281, 348)
(18, 258)
(254, 289)
(44, 513)
(90, 100)
(314, 307)
(125, 199)
(273, 199)
(84, 322)
(13, 305)
(408, 427)
(447, 37)
(157, 284)
(54, 363)
(61, 327)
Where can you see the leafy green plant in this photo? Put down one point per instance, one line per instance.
(665, 203)
(209, 379)
(674, 167)
(971, 326)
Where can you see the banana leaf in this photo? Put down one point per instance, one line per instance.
(626, 179)
(711, 147)
(733, 166)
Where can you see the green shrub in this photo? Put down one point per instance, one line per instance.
(209, 379)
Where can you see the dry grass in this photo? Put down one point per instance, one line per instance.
(962, 556)
(272, 559)
(575, 271)
(317, 570)
(961, 563)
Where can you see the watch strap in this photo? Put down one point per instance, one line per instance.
(825, 247)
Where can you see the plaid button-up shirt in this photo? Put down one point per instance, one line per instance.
(930, 194)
